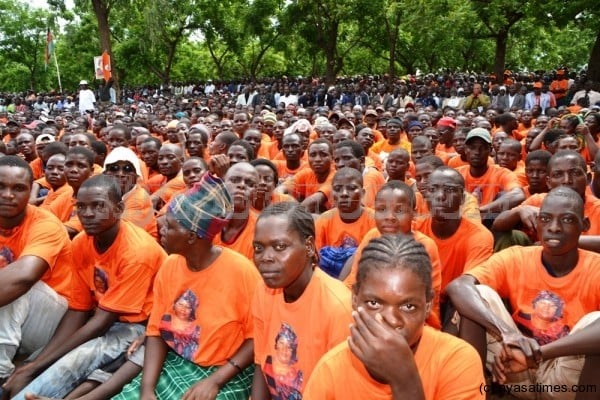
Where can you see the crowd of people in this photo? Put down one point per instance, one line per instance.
(380, 238)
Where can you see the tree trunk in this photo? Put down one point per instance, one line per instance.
(594, 61)
(330, 47)
(500, 59)
(102, 11)
(392, 64)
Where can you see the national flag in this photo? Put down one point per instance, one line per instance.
(49, 46)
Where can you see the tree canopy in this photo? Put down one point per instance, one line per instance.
(167, 41)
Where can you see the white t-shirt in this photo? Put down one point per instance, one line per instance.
(86, 100)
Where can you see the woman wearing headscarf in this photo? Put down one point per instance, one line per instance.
(199, 336)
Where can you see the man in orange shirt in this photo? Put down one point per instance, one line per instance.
(116, 263)
(565, 168)
(349, 153)
(552, 335)
(78, 168)
(536, 171)
(149, 155)
(292, 150)
(366, 138)
(446, 127)
(559, 87)
(509, 157)
(340, 230)
(35, 267)
(124, 166)
(462, 243)
(170, 181)
(312, 186)
(495, 187)
(394, 140)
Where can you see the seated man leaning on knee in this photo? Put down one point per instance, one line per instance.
(111, 296)
(552, 336)
(35, 267)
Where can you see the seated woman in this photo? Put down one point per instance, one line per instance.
(199, 336)
(390, 352)
(299, 311)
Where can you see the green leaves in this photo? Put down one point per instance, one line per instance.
(185, 40)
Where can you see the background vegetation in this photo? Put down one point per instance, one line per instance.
(170, 41)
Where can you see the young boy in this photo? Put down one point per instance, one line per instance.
(79, 166)
(536, 170)
(397, 166)
(340, 230)
(553, 334)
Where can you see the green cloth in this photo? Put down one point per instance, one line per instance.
(179, 374)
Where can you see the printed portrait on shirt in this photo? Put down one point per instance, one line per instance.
(283, 377)
(545, 323)
(179, 329)
(6, 256)
(100, 281)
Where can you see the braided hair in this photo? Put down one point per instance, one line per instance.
(300, 221)
(395, 251)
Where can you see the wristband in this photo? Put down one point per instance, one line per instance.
(234, 364)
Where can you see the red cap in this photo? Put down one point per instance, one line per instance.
(447, 121)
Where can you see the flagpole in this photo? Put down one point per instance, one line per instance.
(57, 72)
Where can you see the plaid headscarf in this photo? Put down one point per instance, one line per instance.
(204, 209)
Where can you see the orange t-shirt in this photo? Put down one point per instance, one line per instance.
(284, 172)
(311, 326)
(591, 210)
(167, 189)
(520, 173)
(525, 284)
(43, 183)
(471, 244)
(280, 157)
(54, 194)
(373, 160)
(487, 187)
(156, 182)
(42, 235)
(37, 168)
(330, 230)
(557, 85)
(449, 369)
(138, 210)
(120, 279)
(273, 149)
(469, 208)
(305, 184)
(456, 162)
(384, 146)
(218, 301)
(97, 170)
(436, 269)
(263, 150)
(64, 207)
(242, 243)
(372, 182)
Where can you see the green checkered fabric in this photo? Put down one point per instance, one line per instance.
(179, 374)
